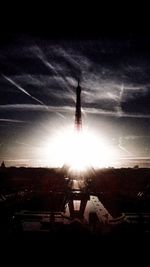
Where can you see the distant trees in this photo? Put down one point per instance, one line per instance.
(136, 167)
(3, 165)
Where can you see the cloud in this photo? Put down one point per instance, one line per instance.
(22, 89)
(106, 83)
(135, 137)
(115, 113)
(25, 144)
(40, 79)
(13, 121)
(33, 107)
(67, 109)
(52, 65)
(122, 147)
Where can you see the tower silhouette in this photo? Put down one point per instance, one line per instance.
(78, 117)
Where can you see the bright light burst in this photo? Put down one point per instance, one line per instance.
(79, 150)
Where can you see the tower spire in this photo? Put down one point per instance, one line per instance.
(78, 118)
(78, 81)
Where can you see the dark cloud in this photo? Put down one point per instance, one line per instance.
(137, 101)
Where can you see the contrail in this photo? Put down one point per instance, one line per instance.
(36, 107)
(22, 89)
(123, 148)
(60, 115)
(25, 144)
(118, 108)
(43, 58)
(25, 92)
(11, 120)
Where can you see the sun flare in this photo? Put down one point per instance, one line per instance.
(78, 150)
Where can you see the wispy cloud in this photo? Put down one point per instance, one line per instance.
(54, 68)
(122, 147)
(135, 137)
(34, 98)
(33, 107)
(64, 109)
(115, 113)
(21, 89)
(13, 121)
(25, 144)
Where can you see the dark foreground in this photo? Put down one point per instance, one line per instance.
(34, 205)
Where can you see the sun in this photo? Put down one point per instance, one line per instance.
(78, 149)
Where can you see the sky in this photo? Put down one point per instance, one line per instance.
(38, 79)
